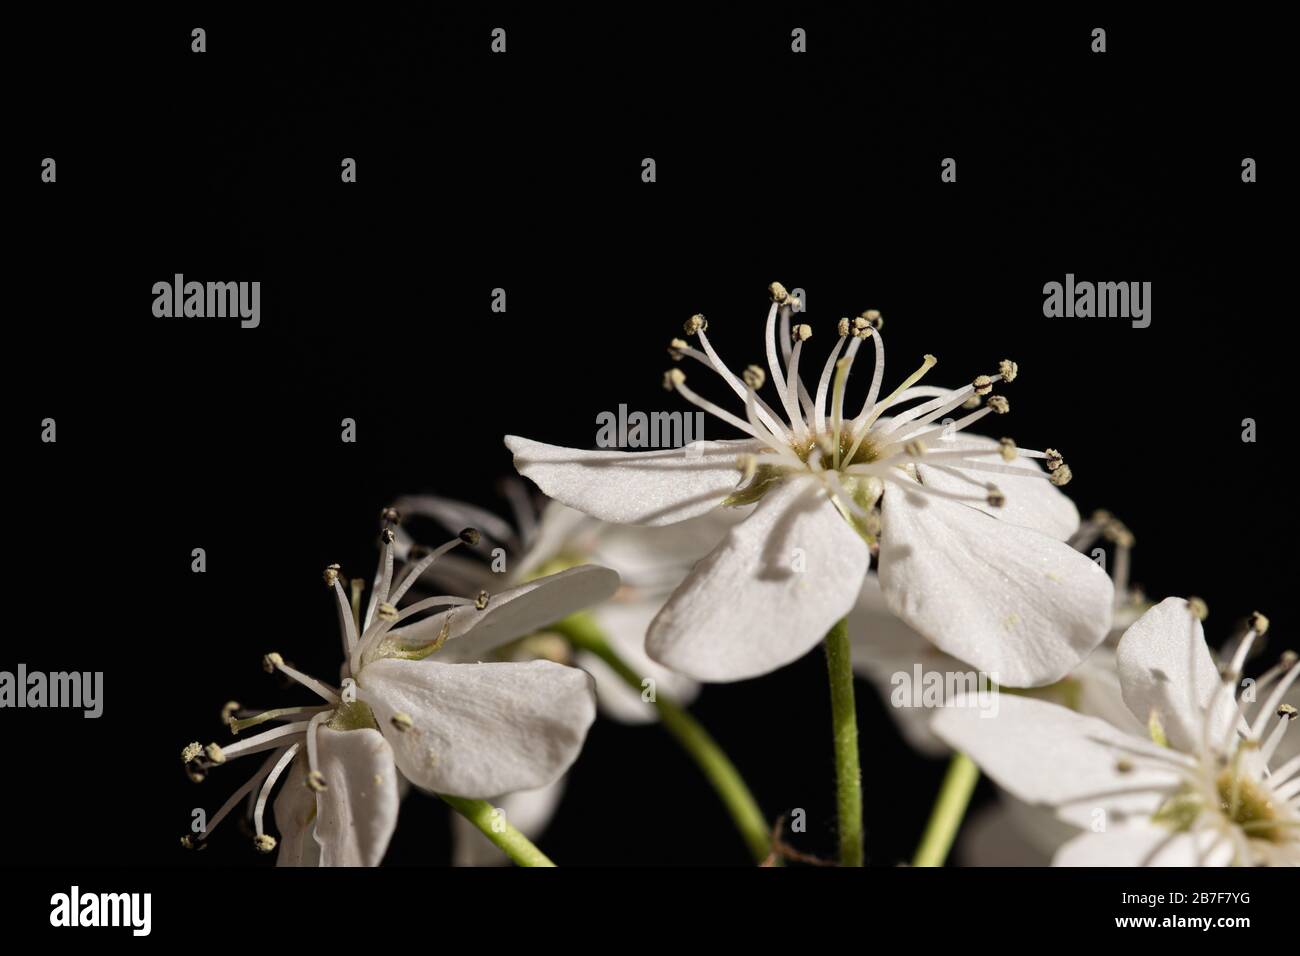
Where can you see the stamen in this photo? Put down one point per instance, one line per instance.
(469, 536)
(264, 843)
(675, 379)
(402, 721)
(755, 377)
(788, 401)
(1008, 370)
(928, 362)
(823, 384)
(273, 662)
(233, 800)
(264, 741)
(1285, 714)
(237, 726)
(696, 323)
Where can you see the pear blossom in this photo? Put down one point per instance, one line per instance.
(1206, 785)
(405, 710)
(650, 563)
(969, 530)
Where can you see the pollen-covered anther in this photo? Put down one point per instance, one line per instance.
(842, 328)
(228, 712)
(999, 404)
(862, 328)
(387, 612)
(1007, 448)
(390, 515)
(332, 574)
(778, 293)
(1124, 765)
(316, 781)
(1054, 460)
(191, 752)
(873, 318)
(995, 497)
(1258, 623)
(264, 843)
(974, 401)
(469, 536)
(187, 842)
(481, 600)
(754, 376)
(214, 753)
(1200, 610)
(672, 378)
(1008, 370)
(696, 323)
(271, 661)
(1062, 476)
(402, 721)
(388, 535)
(677, 348)
(983, 384)
(1287, 712)
(801, 333)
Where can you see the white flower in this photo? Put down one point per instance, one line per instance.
(1205, 789)
(463, 729)
(650, 563)
(978, 568)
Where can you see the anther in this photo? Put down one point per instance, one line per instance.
(188, 843)
(672, 378)
(481, 600)
(779, 295)
(1124, 765)
(1287, 712)
(1054, 459)
(1200, 610)
(390, 515)
(1258, 623)
(1117, 532)
(754, 377)
(801, 333)
(676, 348)
(264, 842)
(316, 781)
(402, 721)
(191, 752)
(843, 328)
(332, 574)
(271, 661)
(873, 318)
(387, 612)
(973, 401)
(982, 384)
(469, 536)
(1062, 476)
(696, 323)
(999, 404)
(1008, 370)
(1008, 449)
(862, 328)
(995, 499)
(214, 753)
(228, 712)
(388, 535)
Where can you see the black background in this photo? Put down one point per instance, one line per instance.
(522, 171)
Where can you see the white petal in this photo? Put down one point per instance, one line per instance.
(295, 818)
(1142, 843)
(561, 531)
(528, 811)
(513, 613)
(481, 729)
(1018, 605)
(990, 837)
(1030, 502)
(643, 487)
(767, 594)
(1165, 666)
(1047, 755)
(625, 624)
(357, 810)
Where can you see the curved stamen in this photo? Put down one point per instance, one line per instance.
(279, 713)
(823, 385)
(260, 810)
(413, 572)
(274, 661)
(263, 741)
(233, 800)
(787, 402)
(714, 361)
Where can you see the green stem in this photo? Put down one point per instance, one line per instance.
(844, 727)
(583, 632)
(949, 808)
(484, 816)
